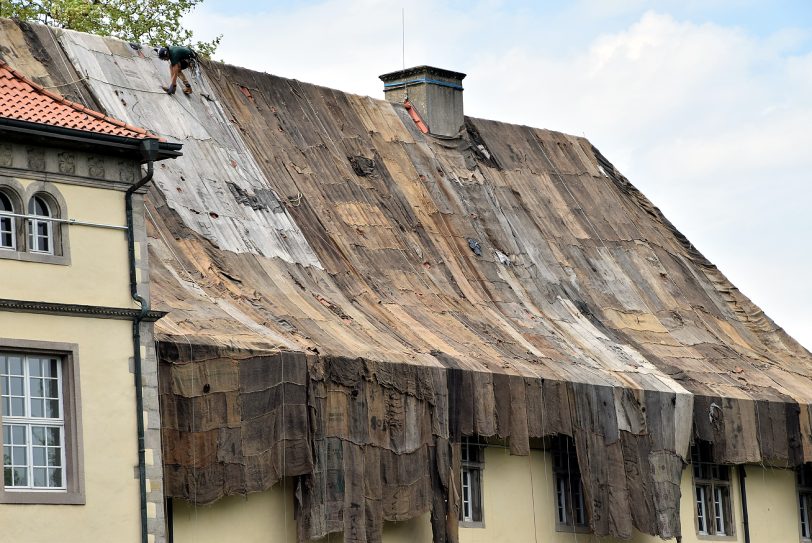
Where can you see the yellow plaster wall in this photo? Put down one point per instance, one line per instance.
(111, 512)
(518, 502)
(532, 516)
(773, 505)
(98, 272)
(260, 517)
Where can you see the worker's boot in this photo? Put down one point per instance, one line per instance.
(169, 90)
(187, 89)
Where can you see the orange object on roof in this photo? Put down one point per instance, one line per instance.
(24, 100)
(415, 116)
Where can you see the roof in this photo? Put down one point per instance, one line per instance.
(24, 100)
(510, 282)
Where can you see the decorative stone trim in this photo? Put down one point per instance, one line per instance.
(76, 310)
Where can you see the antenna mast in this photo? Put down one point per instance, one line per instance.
(403, 45)
(403, 35)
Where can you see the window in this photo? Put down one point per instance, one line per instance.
(39, 408)
(569, 492)
(804, 478)
(471, 482)
(8, 231)
(37, 233)
(33, 422)
(711, 492)
(40, 229)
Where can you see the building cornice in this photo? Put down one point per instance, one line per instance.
(77, 310)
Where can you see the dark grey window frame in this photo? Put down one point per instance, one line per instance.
(59, 239)
(711, 477)
(803, 479)
(72, 402)
(567, 485)
(472, 462)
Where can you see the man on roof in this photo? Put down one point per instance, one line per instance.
(180, 58)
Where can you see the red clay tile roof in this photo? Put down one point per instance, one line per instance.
(24, 100)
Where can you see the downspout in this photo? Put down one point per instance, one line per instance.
(743, 491)
(149, 150)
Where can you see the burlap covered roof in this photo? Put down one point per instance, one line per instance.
(308, 223)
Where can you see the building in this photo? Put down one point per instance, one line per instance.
(69, 401)
(390, 321)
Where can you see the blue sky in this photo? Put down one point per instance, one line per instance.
(706, 106)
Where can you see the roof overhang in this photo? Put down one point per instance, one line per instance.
(83, 140)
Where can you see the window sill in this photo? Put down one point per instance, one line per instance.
(708, 537)
(471, 524)
(41, 498)
(573, 529)
(43, 258)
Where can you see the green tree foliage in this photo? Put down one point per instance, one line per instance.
(153, 22)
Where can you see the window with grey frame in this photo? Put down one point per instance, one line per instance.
(570, 506)
(40, 415)
(713, 510)
(33, 422)
(32, 229)
(8, 223)
(804, 479)
(472, 458)
(40, 225)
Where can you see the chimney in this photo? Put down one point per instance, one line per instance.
(435, 94)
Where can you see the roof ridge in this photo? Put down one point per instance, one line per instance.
(77, 106)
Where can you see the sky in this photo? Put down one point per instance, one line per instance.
(704, 105)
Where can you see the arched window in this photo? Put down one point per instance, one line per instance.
(40, 230)
(8, 233)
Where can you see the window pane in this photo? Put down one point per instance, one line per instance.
(701, 516)
(37, 408)
(55, 457)
(17, 407)
(6, 456)
(40, 477)
(560, 498)
(18, 435)
(36, 388)
(19, 456)
(38, 435)
(52, 388)
(20, 477)
(39, 207)
(55, 477)
(6, 405)
(53, 437)
(15, 365)
(16, 386)
(34, 367)
(38, 456)
(50, 367)
(52, 409)
(7, 480)
(3, 365)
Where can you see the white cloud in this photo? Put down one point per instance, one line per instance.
(709, 121)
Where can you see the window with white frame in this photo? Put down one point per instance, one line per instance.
(804, 478)
(711, 492)
(569, 492)
(472, 460)
(33, 422)
(40, 227)
(8, 230)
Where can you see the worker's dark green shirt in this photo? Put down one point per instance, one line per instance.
(178, 54)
